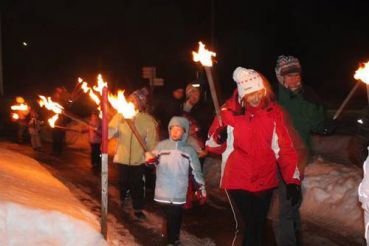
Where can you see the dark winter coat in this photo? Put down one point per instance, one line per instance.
(305, 110)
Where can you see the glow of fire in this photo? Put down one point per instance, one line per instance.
(15, 116)
(52, 120)
(87, 89)
(50, 105)
(203, 55)
(21, 107)
(362, 73)
(100, 84)
(119, 103)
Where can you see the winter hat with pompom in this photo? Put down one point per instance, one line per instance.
(247, 80)
(286, 65)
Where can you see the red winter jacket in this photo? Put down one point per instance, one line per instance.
(257, 140)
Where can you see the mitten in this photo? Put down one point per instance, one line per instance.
(151, 159)
(201, 195)
(293, 193)
(220, 135)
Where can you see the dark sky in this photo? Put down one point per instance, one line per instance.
(71, 38)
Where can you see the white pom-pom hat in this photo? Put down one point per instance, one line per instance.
(247, 80)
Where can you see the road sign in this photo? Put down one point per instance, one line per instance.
(158, 82)
(148, 72)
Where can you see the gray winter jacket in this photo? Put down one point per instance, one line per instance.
(177, 160)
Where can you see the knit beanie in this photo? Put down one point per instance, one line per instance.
(247, 80)
(191, 89)
(141, 97)
(286, 65)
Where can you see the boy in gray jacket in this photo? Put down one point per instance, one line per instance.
(176, 161)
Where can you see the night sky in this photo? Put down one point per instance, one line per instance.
(71, 38)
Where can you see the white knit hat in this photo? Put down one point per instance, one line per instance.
(247, 80)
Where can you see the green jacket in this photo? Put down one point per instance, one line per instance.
(129, 150)
(307, 113)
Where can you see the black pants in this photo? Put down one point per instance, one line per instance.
(253, 208)
(95, 154)
(173, 216)
(131, 178)
(58, 137)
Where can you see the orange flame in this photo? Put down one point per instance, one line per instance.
(50, 105)
(21, 107)
(203, 55)
(119, 103)
(362, 73)
(100, 84)
(52, 120)
(87, 89)
(15, 116)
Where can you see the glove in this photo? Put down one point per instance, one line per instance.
(329, 127)
(151, 159)
(201, 195)
(293, 193)
(220, 135)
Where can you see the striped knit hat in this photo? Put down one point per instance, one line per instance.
(140, 97)
(286, 65)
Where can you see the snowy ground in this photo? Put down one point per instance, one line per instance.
(330, 212)
(37, 209)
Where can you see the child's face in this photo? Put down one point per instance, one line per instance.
(176, 133)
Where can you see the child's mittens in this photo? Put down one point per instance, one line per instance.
(151, 159)
(201, 195)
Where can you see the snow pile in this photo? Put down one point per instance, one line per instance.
(37, 209)
(331, 199)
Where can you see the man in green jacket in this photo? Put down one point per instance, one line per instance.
(129, 153)
(307, 116)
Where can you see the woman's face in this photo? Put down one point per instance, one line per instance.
(254, 98)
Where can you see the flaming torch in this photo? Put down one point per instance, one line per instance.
(128, 111)
(20, 110)
(58, 109)
(362, 74)
(204, 57)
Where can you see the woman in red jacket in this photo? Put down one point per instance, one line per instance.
(254, 141)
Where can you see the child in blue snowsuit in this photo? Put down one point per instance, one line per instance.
(176, 160)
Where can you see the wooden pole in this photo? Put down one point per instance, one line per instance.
(104, 164)
(348, 97)
(213, 93)
(136, 133)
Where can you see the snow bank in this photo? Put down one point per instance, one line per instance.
(37, 209)
(331, 199)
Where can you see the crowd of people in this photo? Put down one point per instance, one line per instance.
(263, 135)
(264, 138)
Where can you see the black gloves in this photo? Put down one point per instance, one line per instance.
(293, 193)
(220, 135)
(329, 127)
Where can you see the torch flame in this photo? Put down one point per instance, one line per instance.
(21, 107)
(362, 73)
(203, 55)
(50, 105)
(52, 120)
(15, 116)
(119, 103)
(100, 84)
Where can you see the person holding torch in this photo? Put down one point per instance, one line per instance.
(254, 139)
(129, 152)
